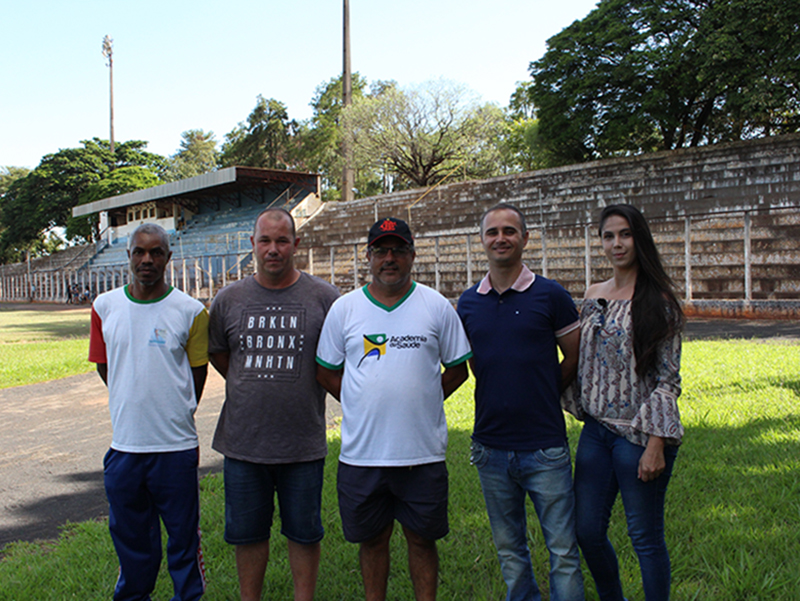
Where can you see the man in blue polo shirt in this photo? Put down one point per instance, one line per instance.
(516, 322)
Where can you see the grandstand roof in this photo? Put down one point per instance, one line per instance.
(209, 187)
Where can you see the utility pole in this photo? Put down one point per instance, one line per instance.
(348, 175)
(108, 52)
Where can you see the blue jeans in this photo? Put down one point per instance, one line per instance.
(606, 464)
(546, 476)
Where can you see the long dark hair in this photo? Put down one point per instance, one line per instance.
(655, 310)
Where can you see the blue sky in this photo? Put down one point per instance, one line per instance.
(198, 64)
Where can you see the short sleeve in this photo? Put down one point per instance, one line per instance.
(331, 345)
(455, 347)
(197, 343)
(97, 344)
(217, 338)
(565, 315)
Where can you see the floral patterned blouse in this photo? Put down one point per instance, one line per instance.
(608, 388)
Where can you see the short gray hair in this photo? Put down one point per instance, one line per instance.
(152, 229)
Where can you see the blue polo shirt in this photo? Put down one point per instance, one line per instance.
(515, 361)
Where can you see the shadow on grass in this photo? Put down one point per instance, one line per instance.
(468, 564)
(793, 385)
(55, 330)
(733, 511)
(43, 517)
(754, 385)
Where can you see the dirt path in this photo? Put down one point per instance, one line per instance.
(52, 440)
(53, 437)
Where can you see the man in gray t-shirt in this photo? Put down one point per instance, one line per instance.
(263, 335)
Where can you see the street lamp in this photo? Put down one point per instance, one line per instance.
(108, 52)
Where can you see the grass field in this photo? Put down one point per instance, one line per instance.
(41, 345)
(733, 507)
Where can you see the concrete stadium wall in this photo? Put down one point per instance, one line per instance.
(725, 218)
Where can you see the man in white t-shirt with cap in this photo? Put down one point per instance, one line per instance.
(380, 353)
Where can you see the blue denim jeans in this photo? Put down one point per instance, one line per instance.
(546, 476)
(607, 464)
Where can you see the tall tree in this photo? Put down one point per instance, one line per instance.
(119, 181)
(45, 197)
(420, 135)
(522, 145)
(197, 155)
(264, 140)
(9, 175)
(642, 75)
(320, 139)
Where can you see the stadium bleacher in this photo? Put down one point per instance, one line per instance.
(224, 233)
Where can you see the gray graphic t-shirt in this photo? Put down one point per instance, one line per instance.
(274, 410)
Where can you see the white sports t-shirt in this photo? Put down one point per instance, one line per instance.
(392, 398)
(150, 348)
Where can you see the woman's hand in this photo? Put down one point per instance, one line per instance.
(652, 462)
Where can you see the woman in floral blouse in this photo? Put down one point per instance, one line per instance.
(626, 393)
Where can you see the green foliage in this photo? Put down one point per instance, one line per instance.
(49, 244)
(129, 154)
(420, 135)
(320, 140)
(120, 181)
(44, 198)
(20, 325)
(521, 145)
(265, 140)
(643, 75)
(8, 175)
(733, 500)
(197, 155)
